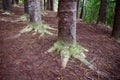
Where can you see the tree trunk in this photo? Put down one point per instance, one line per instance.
(116, 25)
(78, 6)
(82, 10)
(102, 12)
(50, 5)
(26, 3)
(58, 8)
(35, 10)
(67, 21)
(15, 1)
(44, 4)
(7, 5)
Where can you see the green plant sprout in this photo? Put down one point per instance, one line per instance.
(23, 18)
(67, 51)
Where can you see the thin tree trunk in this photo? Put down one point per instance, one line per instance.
(35, 10)
(26, 3)
(67, 21)
(102, 12)
(15, 1)
(116, 25)
(58, 8)
(50, 5)
(44, 4)
(82, 10)
(78, 6)
(7, 5)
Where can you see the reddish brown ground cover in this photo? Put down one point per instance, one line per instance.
(25, 58)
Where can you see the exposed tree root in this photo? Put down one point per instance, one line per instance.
(67, 51)
(76, 51)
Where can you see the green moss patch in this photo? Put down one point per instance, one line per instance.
(71, 51)
(39, 27)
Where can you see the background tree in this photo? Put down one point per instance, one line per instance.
(82, 9)
(26, 6)
(44, 4)
(116, 25)
(78, 6)
(50, 5)
(15, 1)
(58, 8)
(102, 12)
(34, 10)
(7, 5)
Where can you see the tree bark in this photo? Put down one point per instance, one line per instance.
(7, 5)
(15, 1)
(102, 12)
(67, 21)
(26, 3)
(116, 25)
(35, 10)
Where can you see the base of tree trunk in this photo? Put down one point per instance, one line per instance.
(117, 38)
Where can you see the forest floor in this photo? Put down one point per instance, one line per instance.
(26, 57)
